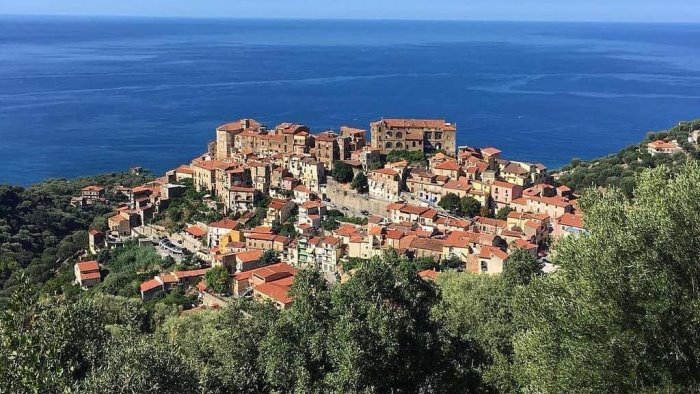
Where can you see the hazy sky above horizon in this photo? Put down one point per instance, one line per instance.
(552, 10)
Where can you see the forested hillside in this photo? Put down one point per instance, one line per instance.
(39, 228)
(620, 169)
(622, 314)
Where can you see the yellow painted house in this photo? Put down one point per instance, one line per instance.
(231, 236)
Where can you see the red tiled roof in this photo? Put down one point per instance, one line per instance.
(261, 230)
(504, 184)
(385, 171)
(428, 274)
(90, 275)
(448, 165)
(190, 273)
(196, 231)
(276, 292)
(413, 209)
(88, 266)
(225, 223)
(431, 244)
(93, 188)
(571, 220)
(490, 151)
(250, 256)
(150, 285)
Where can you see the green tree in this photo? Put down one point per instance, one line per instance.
(269, 257)
(142, 364)
(295, 351)
(342, 171)
(44, 347)
(218, 279)
(620, 314)
(359, 183)
(382, 336)
(469, 206)
(502, 213)
(450, 202)
(329, 224)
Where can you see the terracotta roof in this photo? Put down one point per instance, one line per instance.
(490, 151)
(168, 278)
(93, 188)
(250, 256)
(88, 266)
(346, 230)
(428, 274)
(491, 222)
(190, 273)
(150, 285)
(487, 251)
(277, 204)
(90, 275)
(461, 184)
(330, 241)
(385, 171)
(276, 292)
(311, 204)
(504, 184)
(413, 209)
(523, 244)
(225, 223)
(432, 244)
(661, 144)
(196, 231)
(571, 220)
(514, 168)
(448, 165)
(184, 170)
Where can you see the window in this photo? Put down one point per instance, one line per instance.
(414, 144)
(428, 135)
(484, 266)
(399, 135)
(438, 136)
(388, 145)
(399, 145)
(389, 134)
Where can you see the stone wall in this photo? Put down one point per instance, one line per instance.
(342, 196)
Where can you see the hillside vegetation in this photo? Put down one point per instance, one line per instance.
(622, 314)
(39, 228)
(620, 169)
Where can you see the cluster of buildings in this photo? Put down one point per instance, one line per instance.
(248, 162)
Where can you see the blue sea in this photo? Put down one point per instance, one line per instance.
(82, 96)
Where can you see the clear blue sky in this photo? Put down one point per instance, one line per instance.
(555, 10)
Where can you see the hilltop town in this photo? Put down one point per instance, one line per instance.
(284, 198)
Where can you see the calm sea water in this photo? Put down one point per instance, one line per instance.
(81, 96)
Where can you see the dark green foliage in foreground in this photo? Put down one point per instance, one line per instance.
(622, 314)
(218, 279)
(620, 169)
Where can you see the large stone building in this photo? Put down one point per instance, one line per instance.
(422, 135)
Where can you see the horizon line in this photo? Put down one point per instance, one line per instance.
(331, 18)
